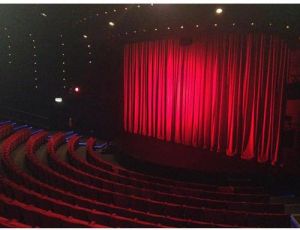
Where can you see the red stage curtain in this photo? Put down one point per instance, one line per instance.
(224, 92)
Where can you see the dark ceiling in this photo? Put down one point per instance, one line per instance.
(146, 21)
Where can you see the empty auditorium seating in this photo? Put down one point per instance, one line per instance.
(80, 193)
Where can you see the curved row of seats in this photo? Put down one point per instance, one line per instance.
(93, 158)
(79, 193)
(170, 196)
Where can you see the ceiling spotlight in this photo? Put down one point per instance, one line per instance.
(64, 71)
(270, 24)
(168, 28)
(219, 10)
(233, 24)
(64, 79)
(90, 62)
(115, 10)
(35, 71)
(138, 6)
(85, 36)
(89, 46)
(197, 26)
(97, 14)
(61, 35)
(36, 86)
(63, 54)
(9, 62)
(287, 27)
(62, 44)
(181, 27)
(33, 47)
(34, 55)
(126, 33)
(34, 63)
(134, 31)
(252, 23)
(33, 41)
(8, 36)
(9, 54)
(63, 62)
(106, 12)
(35, 79)
(5, 28)
(64, 86)
(90, 53)
(155, 29)
(111, 23)
(44, 15)
(9, 47)
(30, 35)
(215, 25)
(125, 8)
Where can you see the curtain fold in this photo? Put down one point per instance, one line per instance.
(224, 92)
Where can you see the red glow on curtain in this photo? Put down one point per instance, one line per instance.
(223, 92)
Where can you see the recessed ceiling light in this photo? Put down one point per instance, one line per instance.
(219, 10)
(106, 12)
(125, 8)
(9, 54)
(155, 29)
(181, 27)
(84, 19)
(197, 26)
(89, 46)
(138, 6)
(90, 62)
(270, 24)
(5, 28)
(97, 14)
(63, 54)
(215, 25)
(134, 31)
(8, 36)
(287, 27)
(33, 41)
(44, 15)
(35, 79)
(233, 24)
(168, 28)
(111, 23)
(85, 36)
(62, 44)
(252, 23)
(144, 30)
(36, 86)
(30, 35)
